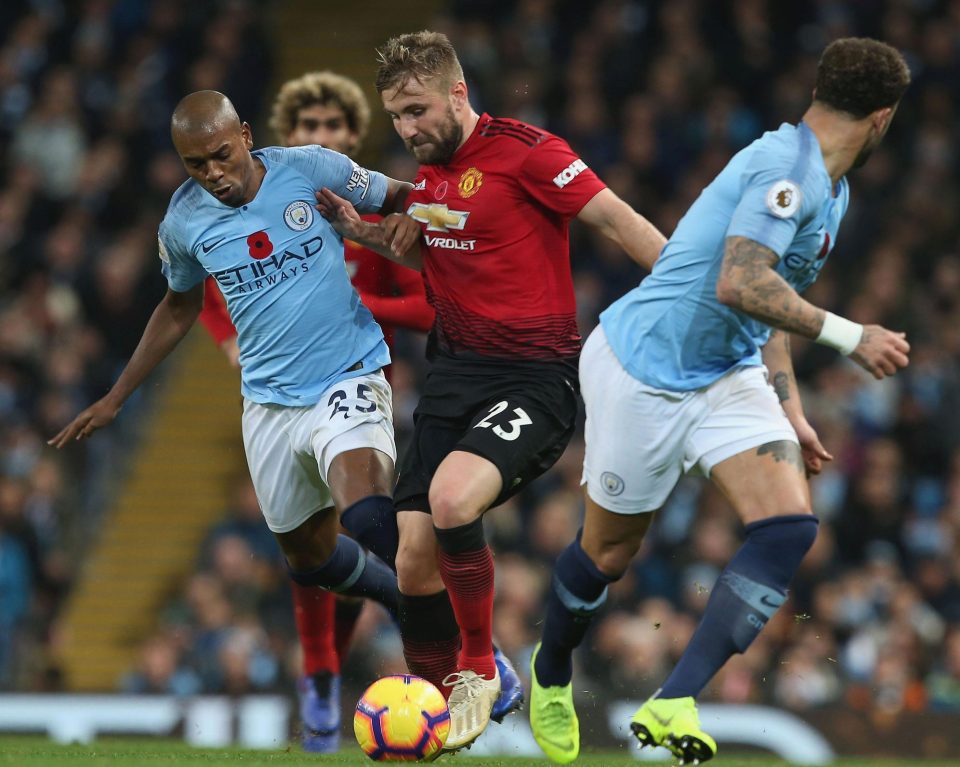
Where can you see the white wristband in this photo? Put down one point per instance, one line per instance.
(840, 333)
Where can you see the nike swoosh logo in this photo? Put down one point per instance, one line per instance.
(207, 248)
(660, 719)
(769, 602)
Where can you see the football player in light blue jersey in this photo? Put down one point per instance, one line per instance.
(317, 416)
(674, 381)
(777, 193)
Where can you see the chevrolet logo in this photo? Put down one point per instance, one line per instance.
(438, 218)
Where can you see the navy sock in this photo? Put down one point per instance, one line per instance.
(460, 540)
(353, 572)
(747, 593)
(578, 590)
(373, 522)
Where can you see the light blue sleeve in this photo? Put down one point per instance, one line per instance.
(774, 202)
(177, 263)
(366, 189)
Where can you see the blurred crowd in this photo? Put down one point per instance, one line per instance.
(86, 171)
(656, 96)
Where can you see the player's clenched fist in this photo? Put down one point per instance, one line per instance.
(99, 414)
(881, 352)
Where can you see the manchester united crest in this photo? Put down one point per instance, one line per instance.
(470, 182)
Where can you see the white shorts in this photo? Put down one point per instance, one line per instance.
(290, 449)
(640, 440)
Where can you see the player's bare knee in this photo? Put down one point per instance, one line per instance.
(303, 558)
(309, 546)
(417, 556)
(452, 506)
(613, 559)
(417, 571)
(359, 473)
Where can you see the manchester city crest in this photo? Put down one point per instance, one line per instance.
(298, 215)
(611, 483)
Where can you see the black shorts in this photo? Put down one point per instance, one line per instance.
(518, 415)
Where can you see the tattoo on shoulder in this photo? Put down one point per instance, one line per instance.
(784, 450)
(781, 385)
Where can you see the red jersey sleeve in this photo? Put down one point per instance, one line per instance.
(214, 316)
(556, 177)
(408, 308)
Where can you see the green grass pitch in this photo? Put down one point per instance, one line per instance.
(16, 751)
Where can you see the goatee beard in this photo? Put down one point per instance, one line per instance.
(446, 147)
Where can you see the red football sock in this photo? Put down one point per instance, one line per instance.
(431, 638)
(468, 576)
(433, 661)
(313, 609)
(347, 613)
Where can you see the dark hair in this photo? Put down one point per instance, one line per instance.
(858, 75)
(324, 88)
(422, 55)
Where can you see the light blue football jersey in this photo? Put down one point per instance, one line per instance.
(300, 324)
(671, 332)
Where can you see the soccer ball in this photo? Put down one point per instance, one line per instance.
(401, 718)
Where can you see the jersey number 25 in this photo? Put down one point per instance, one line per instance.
(360, 404)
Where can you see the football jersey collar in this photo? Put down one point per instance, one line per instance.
(467, 147)
(258, 154)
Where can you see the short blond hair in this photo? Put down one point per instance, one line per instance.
(325, 88)
(421, 55)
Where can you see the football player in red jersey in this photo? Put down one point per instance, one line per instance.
(494, 198)
(328, 109)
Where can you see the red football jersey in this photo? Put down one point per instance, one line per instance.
(214, 315)
(496, 253)
(393, 294)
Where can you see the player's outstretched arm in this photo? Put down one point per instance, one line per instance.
(616, 220)
(396, 236)
(749, 283)
(776, 357)
(170, 321)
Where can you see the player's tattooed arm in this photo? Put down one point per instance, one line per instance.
(749, 283)
(776, 356)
